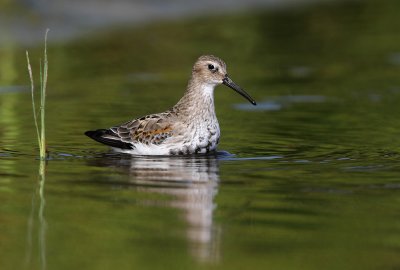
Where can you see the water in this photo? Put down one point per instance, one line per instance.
(309, 179)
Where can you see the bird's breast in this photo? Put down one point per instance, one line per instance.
(198, 137)
(206, 137)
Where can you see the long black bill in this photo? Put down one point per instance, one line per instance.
(228, 82)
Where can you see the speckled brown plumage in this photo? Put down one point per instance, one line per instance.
(151, 129)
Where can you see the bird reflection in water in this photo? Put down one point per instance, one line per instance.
(191, 181)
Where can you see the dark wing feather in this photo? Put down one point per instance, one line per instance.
(106, 137)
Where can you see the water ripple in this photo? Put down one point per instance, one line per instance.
(280, 102)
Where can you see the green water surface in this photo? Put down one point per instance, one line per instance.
(308, 179)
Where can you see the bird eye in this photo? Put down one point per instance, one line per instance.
(210, 67)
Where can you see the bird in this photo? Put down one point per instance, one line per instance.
(189, 128)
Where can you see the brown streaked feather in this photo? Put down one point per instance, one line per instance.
(150, 129)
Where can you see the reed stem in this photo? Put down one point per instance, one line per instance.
(42, 110)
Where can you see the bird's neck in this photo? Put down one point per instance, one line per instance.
(198, 100)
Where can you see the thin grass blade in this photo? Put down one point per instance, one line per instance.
(33, 98)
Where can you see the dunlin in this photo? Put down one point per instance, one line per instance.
(189, 127)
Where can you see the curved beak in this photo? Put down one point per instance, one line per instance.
(228, 82)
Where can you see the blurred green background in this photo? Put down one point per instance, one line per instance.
(312, 178)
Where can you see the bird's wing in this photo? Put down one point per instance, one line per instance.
(150, 129)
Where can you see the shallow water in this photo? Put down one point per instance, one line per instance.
(309, 179)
